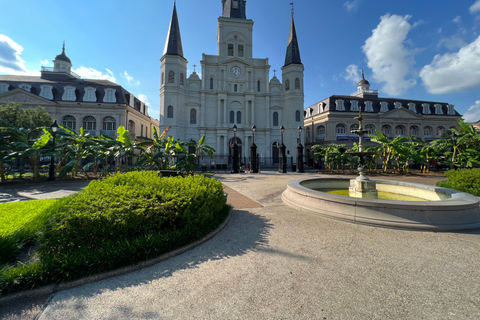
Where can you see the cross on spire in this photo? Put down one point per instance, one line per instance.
(194, 66)
(291, 3)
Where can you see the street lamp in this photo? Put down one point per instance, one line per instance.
(300, 151)
(283, 157)
(51, 172)
(253, 153)
(235, 151)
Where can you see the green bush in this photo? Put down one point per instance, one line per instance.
(465, 180)
(119, 221)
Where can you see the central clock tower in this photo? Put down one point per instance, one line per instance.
(234, 89)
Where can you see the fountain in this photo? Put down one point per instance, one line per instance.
(362, 187)
(440, 209)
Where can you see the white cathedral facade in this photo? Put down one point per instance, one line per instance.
(234, 89)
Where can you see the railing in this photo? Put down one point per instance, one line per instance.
(50, 69)
(110, 133)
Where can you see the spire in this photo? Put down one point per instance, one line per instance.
(62, 56)
(293, 52)
(234, 9)
(173, 45)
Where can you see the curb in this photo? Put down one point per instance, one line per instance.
(54, 288)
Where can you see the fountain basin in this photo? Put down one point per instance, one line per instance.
(443, 209)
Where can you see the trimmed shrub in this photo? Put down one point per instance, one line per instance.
(465, 180)
(119, 221)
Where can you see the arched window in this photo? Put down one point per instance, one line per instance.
(235, 88)
(239, 117)
(109, 123)
(414, 131)
(181, 79)
(440, 131)
(386, 130)
(297, 115)
(170, 112)
(354, 127)
(193, 116)
(258, 85)
(70, 122)
(131, 126)
(307, 134)
(171, 77)
(89, 123)
(287, 85)
(320, 131)
(297, 84)
(232, 116)
(400, 131)
(211, 83)
(275, 119)
(240, 50)
(370, 129)
(341, 129)
(427, 131)
(230, 49)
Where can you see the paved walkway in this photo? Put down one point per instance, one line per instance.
(274, 262)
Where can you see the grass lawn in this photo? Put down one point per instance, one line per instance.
(14, 215)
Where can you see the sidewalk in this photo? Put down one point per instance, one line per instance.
(274, 262)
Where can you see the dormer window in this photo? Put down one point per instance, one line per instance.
(383, 106)
(3, 87)
(426, 108)
(90, 95)
(397, 105)
(46, 92)
(368, 106)
(340, 106)
(25, 87)
(110, 95)
(451, 110)
(411, 107)
(438, 108)
(354, 105)
(69, 93)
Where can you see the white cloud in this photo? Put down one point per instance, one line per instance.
(10, 60)
(475, 7)
(387, 55)
(451, 43)
(353, 74)
(130, 79)
(144, 99)
(90, 73)
(473, 113)
(457, 19)
(454, 72)
(351, 5)
(44, 62)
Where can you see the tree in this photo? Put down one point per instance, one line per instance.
(13, 115)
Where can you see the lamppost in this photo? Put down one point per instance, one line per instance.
(235, 151)
(300, 151)
(253, 153)
(51, 172)
(283, 157)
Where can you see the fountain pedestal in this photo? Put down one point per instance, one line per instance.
(363, 188)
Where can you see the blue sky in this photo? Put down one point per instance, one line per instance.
(413, 49)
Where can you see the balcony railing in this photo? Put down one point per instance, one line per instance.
(50, 69)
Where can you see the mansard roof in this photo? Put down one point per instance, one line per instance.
(293, 51)
(173, 45)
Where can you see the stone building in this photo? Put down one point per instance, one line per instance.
(99, 106)
(332, 119)
(233, 88)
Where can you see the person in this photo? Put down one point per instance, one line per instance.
(242, 168)
(248, 167)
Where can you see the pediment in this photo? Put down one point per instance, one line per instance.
(23, 97)
(237, 60)
(401, 113)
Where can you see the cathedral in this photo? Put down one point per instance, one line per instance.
(234, 90)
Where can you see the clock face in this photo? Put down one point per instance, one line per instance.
(236, 71)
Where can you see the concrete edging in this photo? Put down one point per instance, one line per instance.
(53, 288)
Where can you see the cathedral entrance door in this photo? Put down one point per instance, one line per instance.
(275, 152)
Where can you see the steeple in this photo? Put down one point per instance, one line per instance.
(234, 9)
(293, 52)
(173, 45)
